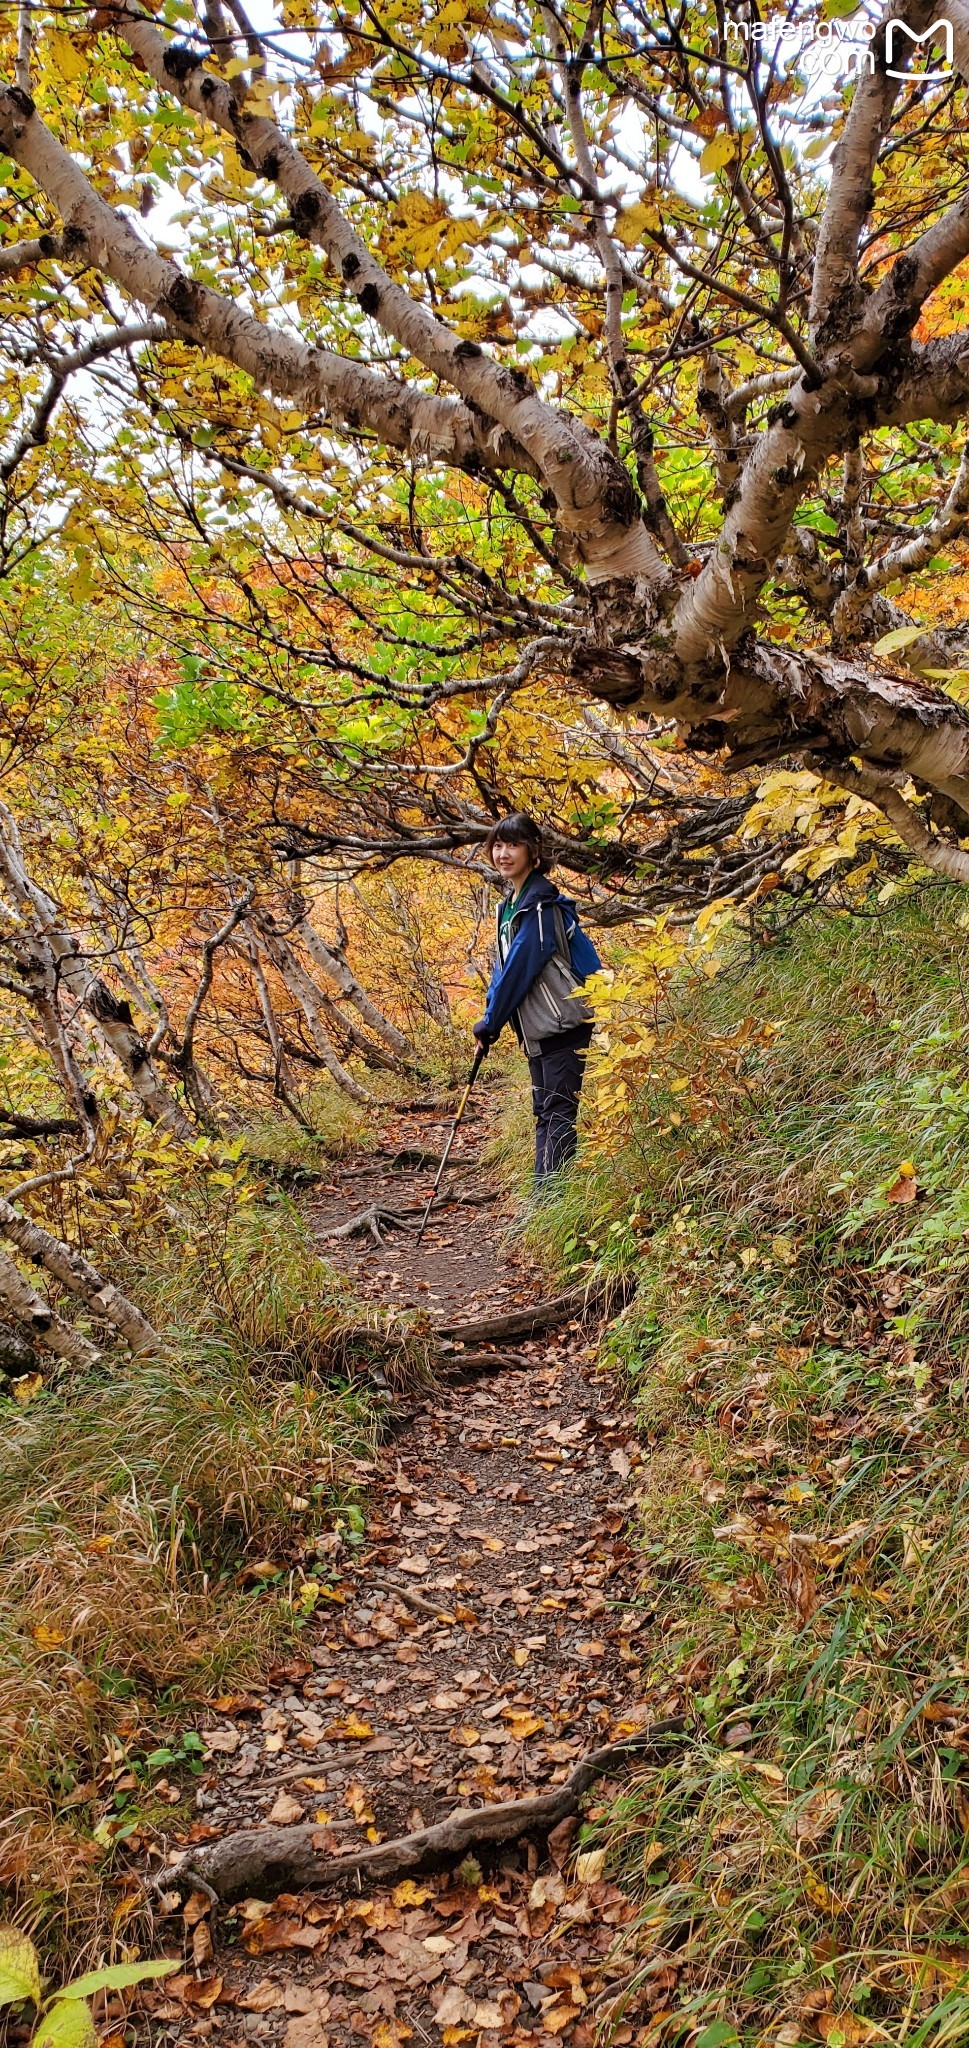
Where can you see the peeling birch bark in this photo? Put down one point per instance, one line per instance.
(46, 1327)
(110, 1015)
(595, 500)
(401, 416)
(338, 970)
(81, 1278)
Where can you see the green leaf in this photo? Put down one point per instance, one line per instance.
(901, 637)
(819, 522)
(68, 2024)
(115, 1978)
(817, 147)
(719, 2034)
(19, 1968)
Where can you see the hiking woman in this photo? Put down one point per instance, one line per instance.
(543, 959)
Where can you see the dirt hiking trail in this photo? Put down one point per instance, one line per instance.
(483, 1637)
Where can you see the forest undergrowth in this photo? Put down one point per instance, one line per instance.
(164, 1529)
(790, 1183)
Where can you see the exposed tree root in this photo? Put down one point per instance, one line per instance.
(461, 1365)
(542, 1315)
(377, 1219)
(405, 1155)
(264, 1861)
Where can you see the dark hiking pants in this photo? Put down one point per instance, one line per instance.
(556, 1086)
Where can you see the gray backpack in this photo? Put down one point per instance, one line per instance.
(552, 1004)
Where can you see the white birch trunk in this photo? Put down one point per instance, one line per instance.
(46, 1327)
(81, 1278)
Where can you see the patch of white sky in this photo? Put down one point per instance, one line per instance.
(823, 62)
(792, 38)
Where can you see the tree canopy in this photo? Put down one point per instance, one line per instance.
(447, 354)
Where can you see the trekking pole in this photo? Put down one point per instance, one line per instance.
(479, 1058)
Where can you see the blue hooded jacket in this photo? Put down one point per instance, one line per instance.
(532, 945)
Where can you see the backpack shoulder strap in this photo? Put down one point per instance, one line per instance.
(561, 936)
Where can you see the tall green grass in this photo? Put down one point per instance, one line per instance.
(798, 1352)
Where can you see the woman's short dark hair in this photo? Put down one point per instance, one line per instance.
(520, 830)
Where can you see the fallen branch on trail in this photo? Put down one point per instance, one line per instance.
(408, 1594)
(542, 1315)
(264, 1861)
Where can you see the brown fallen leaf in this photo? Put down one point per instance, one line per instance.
(286, 1810)
(266, 1996)
(549, 1889)
(904, 1189)
(203, 1994)
(488, 2016)
(307, 2031)
(202, 1944)
(556, 2019)
(560, 1839)
(357, 1799)
(280, 1931)
(845, 2029)
(221, 1741)
(455, 2008)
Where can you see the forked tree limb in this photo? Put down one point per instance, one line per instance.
(265, 1861)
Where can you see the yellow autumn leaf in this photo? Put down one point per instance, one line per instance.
(26, 1389)
(717, 153)
(48, 1638)
(351, 1729)
(522, 1724)
(391, 2034)
(819, 1893)
(67, 57)
(357, 1799)
(408, 1893)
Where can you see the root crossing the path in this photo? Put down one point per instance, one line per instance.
(397, 1815)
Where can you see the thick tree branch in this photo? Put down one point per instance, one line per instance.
(355, 398)
(835, 295)
(882, 788)
(592, 492)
